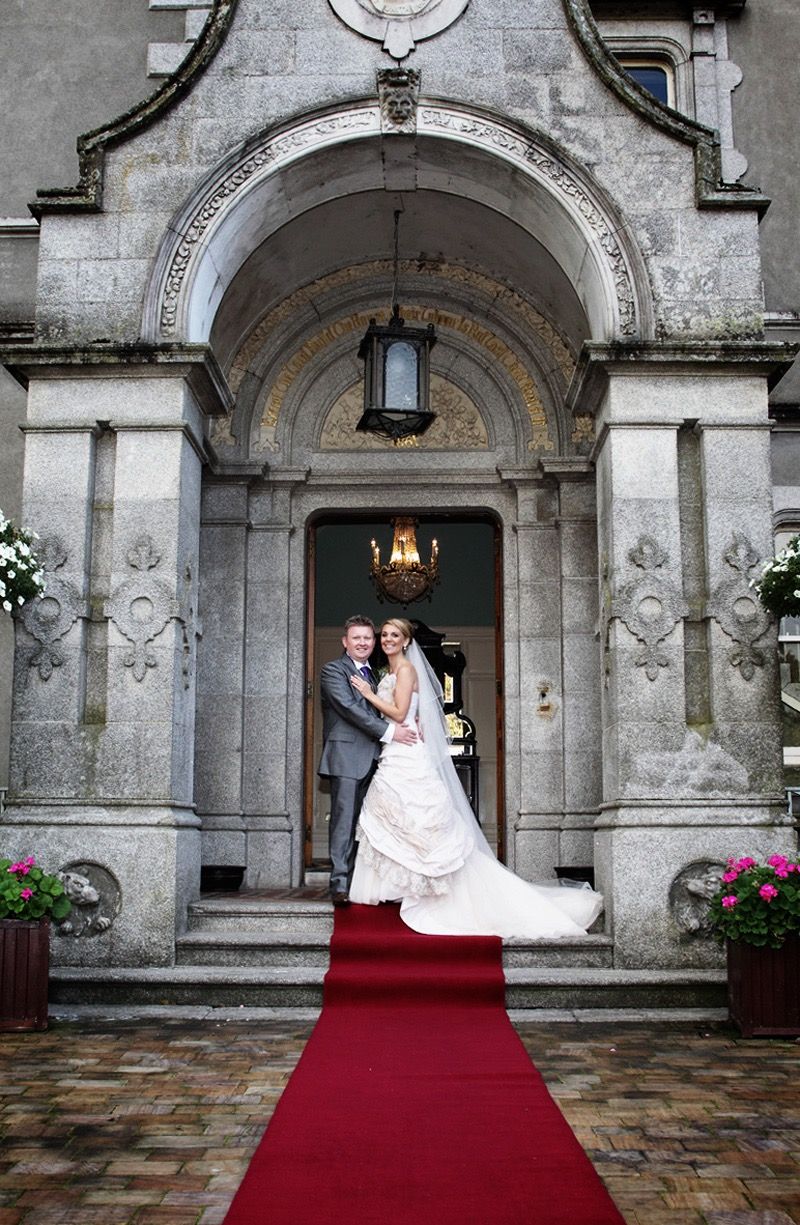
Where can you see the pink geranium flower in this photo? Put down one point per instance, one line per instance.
(742, 865)
(26, 893)
(730, 877)
(730, 901)
(768, 892)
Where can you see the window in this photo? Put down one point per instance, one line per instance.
(653, 75)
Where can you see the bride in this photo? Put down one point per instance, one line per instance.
(418, 840)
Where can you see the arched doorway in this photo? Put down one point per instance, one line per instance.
(507, 251)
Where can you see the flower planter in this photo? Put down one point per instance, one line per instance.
(24, 970)
(764, 988)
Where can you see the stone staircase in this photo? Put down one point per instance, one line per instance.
(271, 948)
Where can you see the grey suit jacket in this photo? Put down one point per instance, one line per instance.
(351, 728)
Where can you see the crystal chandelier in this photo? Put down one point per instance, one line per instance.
(405, 579)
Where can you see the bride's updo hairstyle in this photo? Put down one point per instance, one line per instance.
(400, 623)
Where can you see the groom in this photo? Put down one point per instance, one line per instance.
(352, 731)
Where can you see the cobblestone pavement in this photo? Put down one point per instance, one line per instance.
(137, 1121)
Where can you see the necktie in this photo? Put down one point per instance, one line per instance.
(366, 672)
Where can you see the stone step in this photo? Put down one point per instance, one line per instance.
(248, 948)
(220, 947)
(268, 917)
(559, 988)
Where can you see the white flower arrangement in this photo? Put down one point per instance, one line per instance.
(778, 589)
(21, 576)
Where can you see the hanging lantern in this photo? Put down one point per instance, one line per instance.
(396, 372)
(405, 579)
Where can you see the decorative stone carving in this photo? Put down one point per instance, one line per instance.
(398, 89)
(381, 270)
(398, 24)
(48, 619)
(458, 424)
(689, 895)
(142, 607)
(583, 433)
(96, 899)
(503, 140)
(474, 331)
(650, 606)
(545, 166)
(738, 612)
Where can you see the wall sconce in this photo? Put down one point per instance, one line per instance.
(405, 579)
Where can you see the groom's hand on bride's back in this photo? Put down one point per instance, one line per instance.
(404, 735)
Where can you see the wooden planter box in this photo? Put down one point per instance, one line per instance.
(24, 970)
(764, 989)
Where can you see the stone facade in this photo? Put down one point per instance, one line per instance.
(592, 263)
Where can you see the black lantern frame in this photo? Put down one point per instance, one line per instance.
(396, 378)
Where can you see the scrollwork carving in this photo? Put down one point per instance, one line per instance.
(737, 611)
(650, 606)
(48, 619)
(142, 607)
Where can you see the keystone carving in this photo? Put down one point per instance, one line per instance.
(650, 606)
(48, 619)
(141, 607)
(398, 90)
(737, 611)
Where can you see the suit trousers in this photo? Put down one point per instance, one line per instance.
(347, 796)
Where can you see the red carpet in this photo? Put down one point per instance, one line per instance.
(414, 1101)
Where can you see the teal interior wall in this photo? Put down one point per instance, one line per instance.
(463, 596)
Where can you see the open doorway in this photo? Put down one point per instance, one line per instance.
(465, 607)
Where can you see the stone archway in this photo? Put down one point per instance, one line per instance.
(517, 173)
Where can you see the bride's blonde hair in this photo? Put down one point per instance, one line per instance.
(400, 623)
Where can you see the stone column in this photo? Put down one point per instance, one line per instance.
(220, 668)
(273, 680)
(580, 649)
(536, 840)
(102, 740)
(689, 777)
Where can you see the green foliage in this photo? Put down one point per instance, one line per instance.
(758, 903)
(778, 589)
(26, 892)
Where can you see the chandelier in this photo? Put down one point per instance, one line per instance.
(396, 371)
(405, 579)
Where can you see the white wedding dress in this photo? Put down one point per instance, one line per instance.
(419, 843)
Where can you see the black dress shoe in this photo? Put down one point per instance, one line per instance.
(339, 897)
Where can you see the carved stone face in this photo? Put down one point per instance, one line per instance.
(399, 105)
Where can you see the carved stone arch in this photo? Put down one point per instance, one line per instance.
(300, 356)
(239, 206)
(283, 401)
